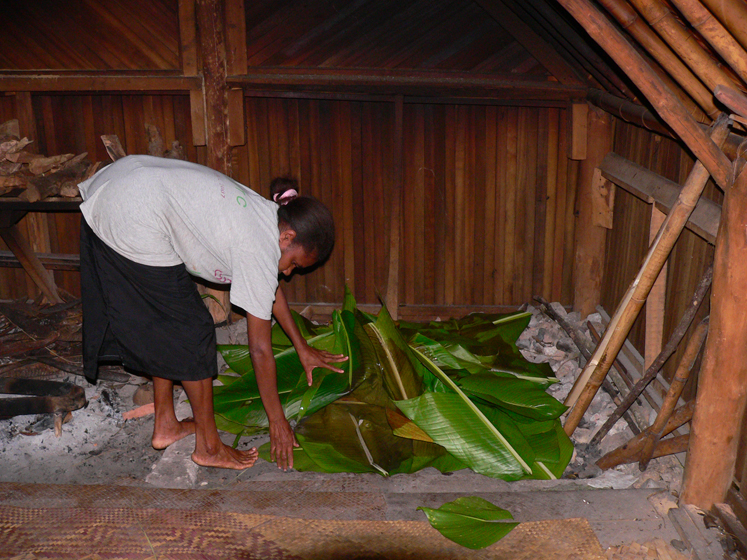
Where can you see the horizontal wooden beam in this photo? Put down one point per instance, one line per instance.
(653, 188)
(414, 313)
(393, 81)
(52, 261)
(37, 81)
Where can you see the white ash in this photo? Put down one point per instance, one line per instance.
(30, 450)
(545, 341)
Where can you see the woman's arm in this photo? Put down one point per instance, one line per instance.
(282, 440)
(311, 358)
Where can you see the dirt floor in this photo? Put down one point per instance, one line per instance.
(627, 509)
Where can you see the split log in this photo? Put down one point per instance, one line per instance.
(51, 397)
(722, 382)
(684, 368)
(13, 146)
(25, 157)
(155, 140)
(656, 92)
(42, 164)
(113, 146)
(10, 128)
(595, 371)
(628, 453)
(66, 178)
(661, 359)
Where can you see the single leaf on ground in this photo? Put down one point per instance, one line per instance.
(471, 521)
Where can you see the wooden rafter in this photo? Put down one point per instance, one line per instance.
(657, 93)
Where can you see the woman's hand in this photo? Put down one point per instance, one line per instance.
(282, 442)
(312, 358)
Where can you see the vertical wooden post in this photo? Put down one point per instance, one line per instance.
(37, 222)
(213, 49)
(591, 239)
(188, 53)
(578, 126)
(722, 383)
(236, 64)
(395, 232)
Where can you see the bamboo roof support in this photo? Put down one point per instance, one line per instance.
(655, 432)
(588, 382)
(733, 14)
(716, 35)
(670, 109)
(682, 42)
(692, 108)
(658, 49)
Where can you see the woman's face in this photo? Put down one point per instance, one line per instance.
(293, 255)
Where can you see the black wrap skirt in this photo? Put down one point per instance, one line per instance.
(149, 318)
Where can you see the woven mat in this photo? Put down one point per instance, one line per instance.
(88, 524)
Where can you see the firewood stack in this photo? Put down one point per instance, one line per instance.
(31, 176)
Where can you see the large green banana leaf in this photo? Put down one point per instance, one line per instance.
(359, 424)
(238, 408)
(470, 398)
(471, 521)
(521, 396)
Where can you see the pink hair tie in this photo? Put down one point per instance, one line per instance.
(286, 197)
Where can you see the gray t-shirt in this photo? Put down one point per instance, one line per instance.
(163, 212)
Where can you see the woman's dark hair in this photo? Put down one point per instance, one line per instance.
(308, 217)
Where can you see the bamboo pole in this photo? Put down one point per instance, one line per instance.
(734, 100)
(682, 42)
(658, 49)
(653, 370)
(716, 35)
(693, 108)
(673, 112)
(733, 14)
(722, 381)
(596, 369)
(655, 432)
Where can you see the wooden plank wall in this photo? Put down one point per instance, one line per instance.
(488, 204)
(627, 243)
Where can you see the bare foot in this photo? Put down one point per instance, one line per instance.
(163, 437)
(227, 458)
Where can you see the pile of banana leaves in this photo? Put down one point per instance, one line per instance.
(450, 395)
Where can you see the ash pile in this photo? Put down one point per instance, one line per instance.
(545, 340)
